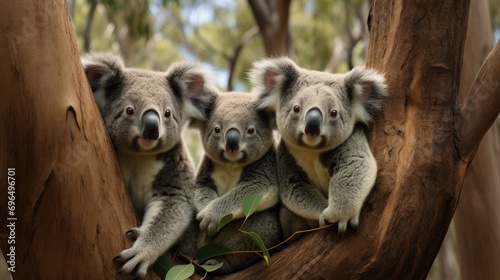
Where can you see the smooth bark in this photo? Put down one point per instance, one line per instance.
(72, 207)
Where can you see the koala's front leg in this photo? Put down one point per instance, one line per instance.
(208, 214)
(354, 171)
(165, 220)
(205, 189)
(230, 203)
(296, 191)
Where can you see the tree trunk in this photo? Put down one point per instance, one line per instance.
(423, 143)
(272, 19)
(71, 207)
(477, 220)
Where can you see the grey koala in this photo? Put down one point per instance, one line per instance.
(144, 112)
(325, 165)
(240, 159)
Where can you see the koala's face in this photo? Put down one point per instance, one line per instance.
(317, 114)
(317, 110)
(236, 132)
(144, 116)
(143, 110)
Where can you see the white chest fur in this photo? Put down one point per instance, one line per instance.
(311, 164)
(226, 177)
(139, 173)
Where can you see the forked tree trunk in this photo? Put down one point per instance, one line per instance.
(71, 207)
(423, 143)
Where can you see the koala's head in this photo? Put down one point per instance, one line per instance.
(144, 111)
(235, 131)
(317, 110)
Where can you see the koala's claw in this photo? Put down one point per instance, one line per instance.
(133, 233)
(136, 260)
(342, 226)
(208, 221)
(209, 225)
(329, 215)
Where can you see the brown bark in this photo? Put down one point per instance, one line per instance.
(71, 205)
(272, 18)
(422, 144)
(477, 220)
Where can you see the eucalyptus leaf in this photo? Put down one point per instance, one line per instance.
(224, 221)
(213, 267)
(209, 251)
(180, 272)
(250, 203)
(161, 266)
(258, 241)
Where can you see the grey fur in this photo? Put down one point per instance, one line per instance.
(225, 178)
(158, 173)
(325, 165)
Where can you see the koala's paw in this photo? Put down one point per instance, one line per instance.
(208, 220)
(136, 261)
(330, 215)
(133, 233)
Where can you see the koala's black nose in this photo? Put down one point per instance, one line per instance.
(150, 124)
(233, 140)
(314, 118)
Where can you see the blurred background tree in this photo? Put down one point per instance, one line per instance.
(323, 35)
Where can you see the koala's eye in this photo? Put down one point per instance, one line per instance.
(334, 114)
(168, 113)
(217, 129)
(129, 111)
(296, 108)
(251, 130)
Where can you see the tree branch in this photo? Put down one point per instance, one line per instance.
(482, 105)
(244, 40)
(88, 25)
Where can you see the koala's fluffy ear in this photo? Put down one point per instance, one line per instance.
(103, 71)
(194, 85)
(271, 79)
(367, 89)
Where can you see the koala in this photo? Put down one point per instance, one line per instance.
(239, 160)
(325, 165)
(144, 112)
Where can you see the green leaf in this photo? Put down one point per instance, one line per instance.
(209, 251)
(250, 203)
(224, 221)
(180, 272)
(161, 266)
(211, 268)
(257, 240)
